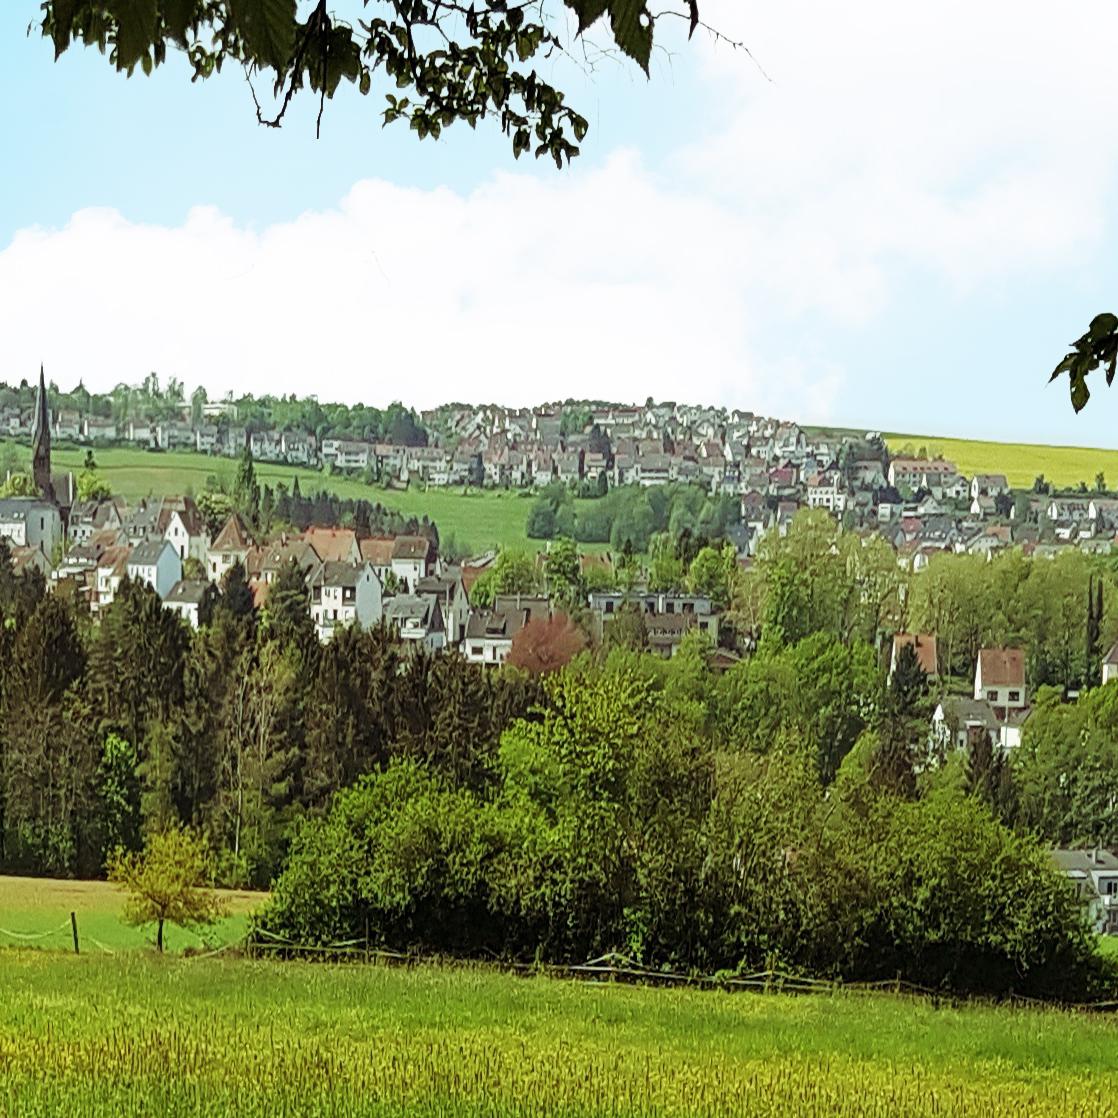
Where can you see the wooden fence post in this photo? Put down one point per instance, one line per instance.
(74, 929)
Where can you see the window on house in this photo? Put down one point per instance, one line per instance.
(1112, 887)
(609, 607)
(476, 650)
(1015, 696)
(991, 696)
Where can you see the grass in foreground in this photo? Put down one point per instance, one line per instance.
(40, 908)
(139, 1035)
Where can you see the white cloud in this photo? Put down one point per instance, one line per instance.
(601, 283)
(968, 144)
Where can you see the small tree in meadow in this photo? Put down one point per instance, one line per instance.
(167, 882)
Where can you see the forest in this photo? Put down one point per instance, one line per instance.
(792, 809)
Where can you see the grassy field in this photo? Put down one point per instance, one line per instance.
(140, 1035)
(1020, 462)
(36, 912)
(477, 519)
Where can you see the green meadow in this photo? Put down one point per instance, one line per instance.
(1066, 466)
(139, 1035)
(477, 519)
(119, 1030)
(35, 912)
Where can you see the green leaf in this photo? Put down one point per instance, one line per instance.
(632, 28)
(178, 15)
(268, 29)
(1080, 393)
(63, 11)
(1102, 325)
(135, 30)
(588, 11)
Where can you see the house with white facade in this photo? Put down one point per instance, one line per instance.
(231, 547)
(417, 618)
(30, 522)
(1094, 874)
(112, 566)
(411, 559)
(186, 530)
(342, 594)
(999, 678)
(187, 598)
(157, 563)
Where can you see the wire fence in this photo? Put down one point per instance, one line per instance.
(617, 968)
(612, 967)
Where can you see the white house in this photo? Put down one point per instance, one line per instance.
(186, 532)
(30, 522)
(411, 559)
(342, 594)
(1094, 873)
(186, 599)
(489, 635)
(231, 546)
(1110, 665)
(999, 678)
(111, 569)
(157, 563)
(417, 618)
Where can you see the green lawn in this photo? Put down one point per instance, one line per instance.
(132, 1035)
(36, 912)
(1020, 462)
(477, 519)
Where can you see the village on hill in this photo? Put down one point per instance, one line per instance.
(364, 571)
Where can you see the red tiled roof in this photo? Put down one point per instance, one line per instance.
(925, 646)
(1002, 667)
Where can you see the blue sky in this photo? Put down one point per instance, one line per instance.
(902, 230)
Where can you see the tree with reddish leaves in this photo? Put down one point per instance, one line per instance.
(546, 644)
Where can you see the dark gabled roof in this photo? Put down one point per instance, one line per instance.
(411, 547)
(187, 591)
(335, 573)
(421, 607)
(496, 624)
(280, 554)
(147, 553)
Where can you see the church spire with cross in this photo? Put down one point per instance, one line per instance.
(40, 441)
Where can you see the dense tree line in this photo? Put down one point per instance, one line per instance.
(636, 815)
(155, 401)
(123, 728)
(632, 516)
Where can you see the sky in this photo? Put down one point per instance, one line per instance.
(893, 217)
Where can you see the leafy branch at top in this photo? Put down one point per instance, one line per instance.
(1095, 349)
(447, 60)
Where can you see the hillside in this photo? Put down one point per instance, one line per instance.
(476, 519)
(1065, 466)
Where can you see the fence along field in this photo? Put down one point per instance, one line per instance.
(133, 1034)
(35, 912)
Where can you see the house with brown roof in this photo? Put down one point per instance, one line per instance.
(334, 545)
(924, 645)
(412, 559)
(999, 678)
(231, 546)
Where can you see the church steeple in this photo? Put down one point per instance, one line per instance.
(40, 441)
